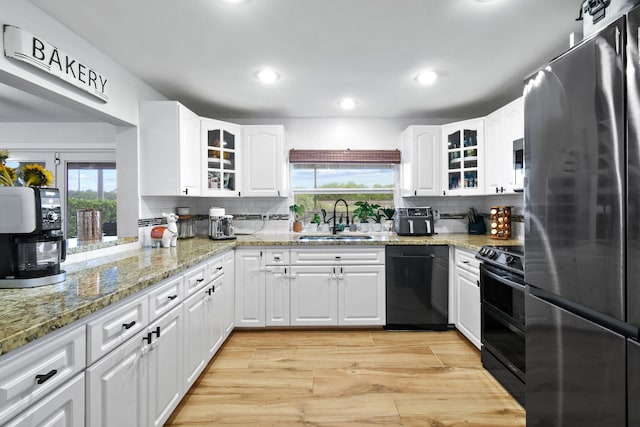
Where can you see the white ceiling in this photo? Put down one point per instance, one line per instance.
(204, 53)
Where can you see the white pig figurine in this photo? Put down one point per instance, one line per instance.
(167, 236)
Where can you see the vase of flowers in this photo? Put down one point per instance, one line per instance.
(34, 175)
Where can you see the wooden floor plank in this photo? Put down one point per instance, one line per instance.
(482, 409)
(340, 357)
(354, 378)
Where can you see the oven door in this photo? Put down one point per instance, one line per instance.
(502, 328)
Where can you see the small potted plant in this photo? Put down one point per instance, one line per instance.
(298, 212)
(315, 220)
(363, 212)
(324, 225)
(388, 213)
(377, 218)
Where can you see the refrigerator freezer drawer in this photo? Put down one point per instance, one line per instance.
(575, 369)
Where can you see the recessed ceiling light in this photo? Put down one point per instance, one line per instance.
(426, 77)
(347, 104)
(267, 75)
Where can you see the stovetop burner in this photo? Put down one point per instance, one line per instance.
(507, 257)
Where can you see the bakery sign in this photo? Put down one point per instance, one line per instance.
(24, 46)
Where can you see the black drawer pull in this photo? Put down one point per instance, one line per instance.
(129, 325)
(172, 297)
(218, 268)
(147, 338)
(157, 332)
(41, 379)
(199, 280)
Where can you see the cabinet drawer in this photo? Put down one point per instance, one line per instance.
(277, 256)
(27, 375)
(165, 296)
(467, 261)
(115, 326)
(337, 255)
(66, 402)
(214, 269)
(194, 279)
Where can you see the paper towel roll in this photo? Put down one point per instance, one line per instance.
(216, 212)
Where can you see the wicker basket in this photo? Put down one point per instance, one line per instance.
(500, 222)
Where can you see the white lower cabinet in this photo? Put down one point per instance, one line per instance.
(165, 366)
(467, 288)
(140, 382)
(63, 407)
(337, 286)
(204, 315)
(250, 288)
(277, 296)
(31, 373)
(194, 330)
(319, 286)
(117, 386)
(214, 317)
(129, 364)
(361, 295)
(314, 296)
(229, 292)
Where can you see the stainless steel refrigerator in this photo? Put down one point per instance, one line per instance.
(582, 233)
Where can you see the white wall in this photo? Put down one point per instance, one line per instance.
(125, 91)
(57, 136)
(342, 133)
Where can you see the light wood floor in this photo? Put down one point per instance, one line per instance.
(347, 378)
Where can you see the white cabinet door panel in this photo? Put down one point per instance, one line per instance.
(165, 366)
(250, 292)
(361, 295)
(277, 297)
(194, 329)
(117, 386)
(264, 161)
(314, 296)
(469, 306)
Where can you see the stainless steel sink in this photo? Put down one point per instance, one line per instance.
(336, 237)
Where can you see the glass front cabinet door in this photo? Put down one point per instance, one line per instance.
(463, 172)
(221, 147)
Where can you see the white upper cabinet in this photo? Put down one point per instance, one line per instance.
(264, 161)
(420, 148)
(463, 145)
(169, 149)
(221, 154)
(504, 149)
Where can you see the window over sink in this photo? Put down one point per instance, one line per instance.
(318, 185)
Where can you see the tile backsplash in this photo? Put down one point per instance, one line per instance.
(271, 215)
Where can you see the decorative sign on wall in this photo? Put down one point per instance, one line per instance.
(24, 46)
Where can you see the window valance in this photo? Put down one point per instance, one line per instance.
(345, 156)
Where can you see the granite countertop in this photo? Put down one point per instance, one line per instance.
(28, 314)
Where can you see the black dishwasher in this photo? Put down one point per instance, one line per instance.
(417, 280)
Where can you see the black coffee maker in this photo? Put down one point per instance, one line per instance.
(31, 239)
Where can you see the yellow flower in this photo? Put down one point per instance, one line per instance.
(36, 176)
(7, 176)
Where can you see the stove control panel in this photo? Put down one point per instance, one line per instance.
(510, 258)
